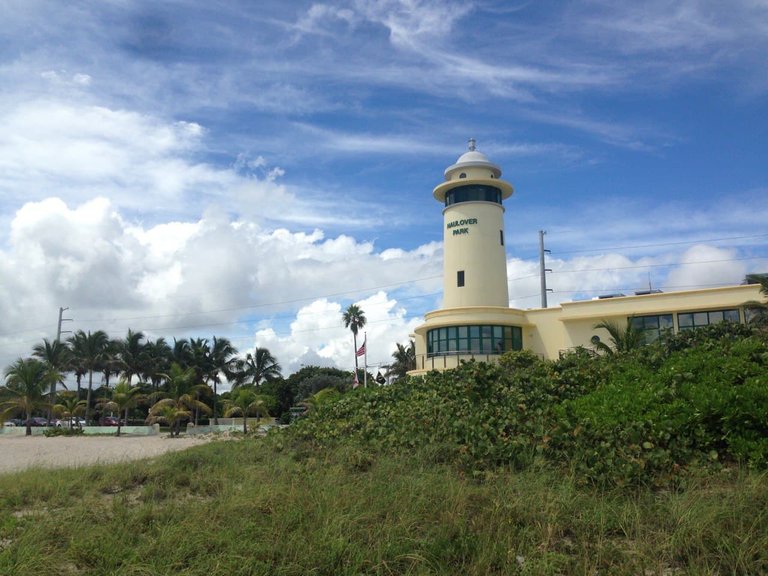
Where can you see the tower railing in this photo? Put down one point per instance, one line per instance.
(447, 360)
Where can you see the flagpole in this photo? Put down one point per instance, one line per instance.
(365, 361)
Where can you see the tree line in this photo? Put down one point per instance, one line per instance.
(147, 371)
(160, 381)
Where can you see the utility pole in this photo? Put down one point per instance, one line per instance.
(62, 319)
(58, 339)
(542, 269)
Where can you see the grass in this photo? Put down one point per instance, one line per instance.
(256, 507)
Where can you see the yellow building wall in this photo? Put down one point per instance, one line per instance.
(550, 331)
(472, 243)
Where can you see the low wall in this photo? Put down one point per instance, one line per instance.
(153, 430)
(213, 429)
(233, 426)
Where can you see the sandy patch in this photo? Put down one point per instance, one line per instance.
(22, 452)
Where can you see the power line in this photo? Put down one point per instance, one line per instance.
(657, 265)
(266, 304)
(680, 243)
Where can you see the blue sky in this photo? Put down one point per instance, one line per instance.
(249, 169)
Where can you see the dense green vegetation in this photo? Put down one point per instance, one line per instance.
(639, 417)
(143, 380)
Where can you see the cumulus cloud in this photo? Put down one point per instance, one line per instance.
(213, 274)
(318, 336)
(702, 266)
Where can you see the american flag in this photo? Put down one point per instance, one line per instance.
(361, 350)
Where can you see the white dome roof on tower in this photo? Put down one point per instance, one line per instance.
(473, 159)
(472, 156)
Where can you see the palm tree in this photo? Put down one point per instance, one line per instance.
(758, 310)
(88, 350)
(405, 360)
(181, 401)
(27, 382)
(55, 355)
(256, 368)
(69, 405)
(245, 402)
(132, 355)
(222, 361)
(181, 352)
(354, 319)
(124, 397)
(626, 340)
(158, 360)
(110, 361)
(199, 357)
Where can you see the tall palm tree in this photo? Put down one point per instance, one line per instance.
(626, 340)
(88, 350)
(222, 361)
(158, 361)
(181, 352)
(245, 402)
(256, 368)
(124, 397)
(354, 319)
(110, 361)
(56, 356)
(27, 382)
(132, 355)
(181, 401)
(199, 357)
(405, 360)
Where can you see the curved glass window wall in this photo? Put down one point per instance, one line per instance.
(473, 193)
(485, 339)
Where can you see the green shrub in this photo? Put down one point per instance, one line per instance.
(636, 418)
(51, 432)
(707, 401)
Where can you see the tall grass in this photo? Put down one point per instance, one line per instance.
(260, 507)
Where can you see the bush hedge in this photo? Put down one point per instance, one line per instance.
(636, 418)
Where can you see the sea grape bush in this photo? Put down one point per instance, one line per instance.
(635, 418)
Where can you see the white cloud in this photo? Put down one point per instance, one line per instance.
(317, 335)
(211, 275)
(702, 266)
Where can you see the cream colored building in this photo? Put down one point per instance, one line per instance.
(477, 322)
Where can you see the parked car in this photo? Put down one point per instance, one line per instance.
(108, 421)
(37, 421)
(70, 423)
(14, 422)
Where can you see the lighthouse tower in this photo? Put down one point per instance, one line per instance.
(475, 261)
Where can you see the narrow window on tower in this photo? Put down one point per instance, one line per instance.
(501, 237)
(460, 278)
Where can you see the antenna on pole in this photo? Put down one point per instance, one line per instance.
(542, 269)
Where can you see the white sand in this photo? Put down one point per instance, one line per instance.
(21, 452)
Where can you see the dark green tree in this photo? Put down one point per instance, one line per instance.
(158, 361)
(182, 388)
(26, 384)
(404, 360)
(123, 398)
(222, 361)
(758, 311)
(256, 368)
(56, 355)
(89, 350)
(132, 356)
(246, 402)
